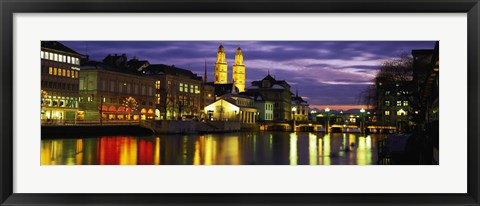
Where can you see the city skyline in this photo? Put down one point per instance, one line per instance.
(326, 73)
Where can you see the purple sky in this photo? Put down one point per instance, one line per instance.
(325, 72)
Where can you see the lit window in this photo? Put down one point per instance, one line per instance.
(42, 54)
(46, 55)
(64, 58)
(185, 87)
(399, 103)
(387, 112)
(77, 62)
(76, 74)
(54, 71)
(401, 112)
(196, 90)
(405, 103)
(51, 56)
(387, 92)
(191, 88)
(387, 103)
(55, 57)
(158, 98)
(68, 73)
(181, 87)
(50, 70)
(157, 85)
(68, 59)
(64, 72)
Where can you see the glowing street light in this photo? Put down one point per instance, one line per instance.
(327, 110)
(362, 111)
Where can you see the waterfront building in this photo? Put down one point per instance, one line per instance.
(233, 107)
(426, 78)
(276, 91)
(60, 69)
(394, 104)
(177, 91)
(221, 67)
(238, 73)
(115, 93)
(300, 108)
(264, 107)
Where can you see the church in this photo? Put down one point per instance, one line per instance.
(238, 69)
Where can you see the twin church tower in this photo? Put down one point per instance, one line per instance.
(221, 69)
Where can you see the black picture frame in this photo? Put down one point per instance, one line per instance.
(10, 7)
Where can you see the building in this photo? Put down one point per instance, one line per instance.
(233, 107)
(177, 91)
(238, 74)
(426, 78)
(221, 67)
(276, 91)
(207, 92)
(115, 94)
(60, 70)
(300, 108)
(264, 107)
(394, 104)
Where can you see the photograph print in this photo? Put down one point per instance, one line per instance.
(239, 103)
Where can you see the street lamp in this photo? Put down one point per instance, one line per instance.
(362, 123)
(327, 110)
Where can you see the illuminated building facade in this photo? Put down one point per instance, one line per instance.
(115, 94)
(394, 104)
(238, 73)
(276, 91)
(233, 107)
(177, 91)
(221, 68)
(60, 69)
(300, 108)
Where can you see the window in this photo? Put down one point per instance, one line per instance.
(143, 90)
(387, 113)
(76, 74)
(64, 72)
(64, 58)
(158, 98)
(196, 90)
(55, 57)
(405, 103)
(157, 85)
(54, 71)
(50, 70)
(180, 87)
(185, 88)
(42, 54)
(399, 103)
(191, 88)
(401, 112)
(68, 59)
(387, 92)
(387, 103)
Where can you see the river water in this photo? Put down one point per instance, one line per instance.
(244, 148)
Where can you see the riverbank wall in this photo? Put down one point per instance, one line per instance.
(192, 127)
(51, 132)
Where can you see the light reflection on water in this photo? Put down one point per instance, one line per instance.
(264, 148)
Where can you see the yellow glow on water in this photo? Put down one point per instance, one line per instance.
(209, 145)
(196, 157)
(232, 153)
(368, 142)
(79, 152)
(320, 151)
(156, 155)
(128, 151)
(293, 149)
(312, 148)
(326, 149)
(363, 156)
